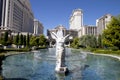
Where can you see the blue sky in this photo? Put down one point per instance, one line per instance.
(54, 12)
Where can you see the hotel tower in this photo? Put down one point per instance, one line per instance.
(16, 15)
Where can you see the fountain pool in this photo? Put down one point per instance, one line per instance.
(40, 65)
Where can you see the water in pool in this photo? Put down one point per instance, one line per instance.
(40, 65)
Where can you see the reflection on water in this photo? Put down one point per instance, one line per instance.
(40, 65)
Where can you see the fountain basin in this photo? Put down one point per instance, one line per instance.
(27, 66)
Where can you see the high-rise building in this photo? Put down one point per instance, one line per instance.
(76, 23)
(16, 15)
(1, 2)
(38, 27)
(76, 19)
(102, 22)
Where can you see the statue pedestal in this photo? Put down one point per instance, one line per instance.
(61, 70)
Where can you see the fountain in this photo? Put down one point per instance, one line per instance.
(40, 65)
(60, 51)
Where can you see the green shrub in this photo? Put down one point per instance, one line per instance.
(113, 48)
(91, 49)
(41, 47)
(1, 49)
(107, 52)
(19, 50)
(1, 78)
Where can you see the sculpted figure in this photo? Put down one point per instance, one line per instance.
(60, 49)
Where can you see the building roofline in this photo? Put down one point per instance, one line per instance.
(104, 16)
(75, 11)
(89, 26)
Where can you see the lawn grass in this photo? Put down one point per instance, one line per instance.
(102, 51)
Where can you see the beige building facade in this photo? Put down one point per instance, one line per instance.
(76, 19)
(102, 22)
(76, 23)
(89, 30)
(38, 27)
(16, 15)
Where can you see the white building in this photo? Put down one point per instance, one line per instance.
(76, 23)
(89, 30)
(38, 27)
(76, 19)
(1, 1)
(102, 22)
(16, 15)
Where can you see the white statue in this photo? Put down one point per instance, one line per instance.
(60, 50)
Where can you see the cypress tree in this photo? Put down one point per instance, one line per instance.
(27, 40)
